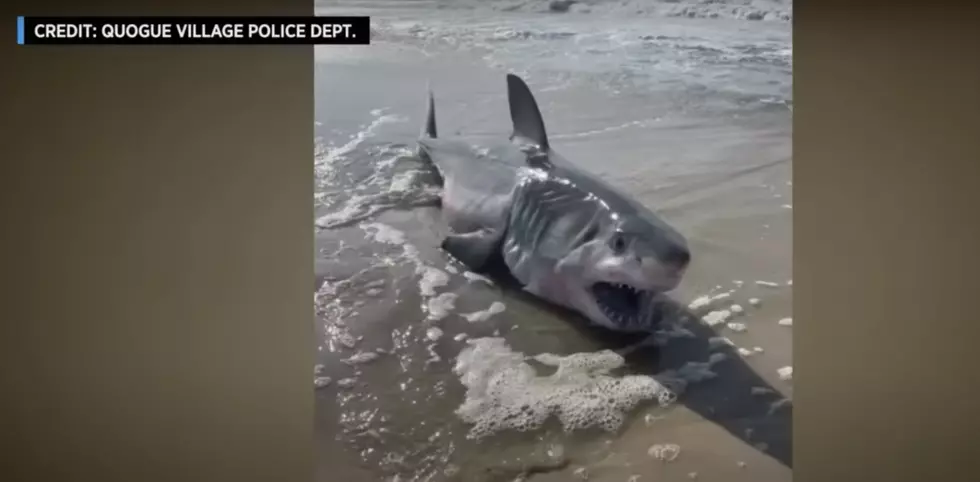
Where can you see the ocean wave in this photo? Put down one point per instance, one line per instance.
(356, 180)
(765, 10)
(632, 42)
(616, 56)
(747, 10)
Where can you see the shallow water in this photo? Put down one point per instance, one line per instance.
(693, 117)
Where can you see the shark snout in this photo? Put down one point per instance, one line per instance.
(664, 272)
(671, 262)
(677, 256)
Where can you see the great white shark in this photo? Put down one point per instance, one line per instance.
(565, 235)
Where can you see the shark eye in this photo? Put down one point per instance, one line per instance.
(618, 243)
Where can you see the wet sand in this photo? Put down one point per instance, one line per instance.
(721, 175)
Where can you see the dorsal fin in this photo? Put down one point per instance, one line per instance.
(524, 113)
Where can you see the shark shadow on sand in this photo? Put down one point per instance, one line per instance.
(737, 399)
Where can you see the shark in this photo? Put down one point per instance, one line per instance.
(565, 235)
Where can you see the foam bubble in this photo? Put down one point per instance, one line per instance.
(361, 358)
(650, 418)
(344, 337)
(707, 300)
(785, 322)
(767, 284)
(346, 382)
(721, 296)
(785, 373)
(403, 181)
(321, 382)
(495, 308)
(699, 302)
(471, 276)
(432, 279)
(358, 207)
(433, 333)
(737, 327)
(384, 233)
(504, 392)
(440, 306)
(716, 317)
(755, 301)
(433, 356)
(665, 452)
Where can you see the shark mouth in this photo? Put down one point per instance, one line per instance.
(621, 303)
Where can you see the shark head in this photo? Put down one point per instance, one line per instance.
(614, 256)
(621, 266)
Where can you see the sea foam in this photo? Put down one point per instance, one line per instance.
(504, 392)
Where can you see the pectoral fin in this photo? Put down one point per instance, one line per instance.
(473, 249)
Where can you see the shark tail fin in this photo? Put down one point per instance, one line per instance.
(524, 113)
(429, 129)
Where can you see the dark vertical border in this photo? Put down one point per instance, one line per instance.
(156, 253)
(886, 171)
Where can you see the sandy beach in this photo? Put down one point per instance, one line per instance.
(689, 113)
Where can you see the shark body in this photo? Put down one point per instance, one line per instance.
(565, 235)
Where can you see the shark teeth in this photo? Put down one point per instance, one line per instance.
(619, 302)
(617, 316)
(624, 286)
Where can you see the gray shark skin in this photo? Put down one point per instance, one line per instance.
(565, 235)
